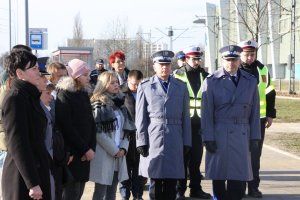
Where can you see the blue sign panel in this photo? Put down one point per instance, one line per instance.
(36, 40)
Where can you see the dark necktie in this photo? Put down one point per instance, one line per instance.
(234, 80)
(165, 86)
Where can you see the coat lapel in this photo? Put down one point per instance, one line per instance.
(226, 82)
(172, 87)
(157, 87)
(242, 85)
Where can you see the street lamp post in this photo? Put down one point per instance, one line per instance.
(26, 23)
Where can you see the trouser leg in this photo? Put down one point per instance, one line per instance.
(99, 191)
(219, 189)
(138, 182)
(182, 183)
(234, 190)
(169, 189)
(155, 189)
(255, 159)
(125, 186)
(73, 190)
(195, 161)
(112, 189)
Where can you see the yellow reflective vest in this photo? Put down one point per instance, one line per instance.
(195, 99)
(264, 87)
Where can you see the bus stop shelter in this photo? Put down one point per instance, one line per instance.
(65, 54)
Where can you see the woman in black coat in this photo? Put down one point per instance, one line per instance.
(74, 118)
(26, 168)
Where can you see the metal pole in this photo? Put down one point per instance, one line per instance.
(26, 23)
(150, 53)
(292, 50)
(9, 21)
(217, 41)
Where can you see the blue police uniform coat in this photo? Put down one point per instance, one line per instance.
(163, 123)
(230, 116)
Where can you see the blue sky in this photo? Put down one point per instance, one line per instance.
(58, 17)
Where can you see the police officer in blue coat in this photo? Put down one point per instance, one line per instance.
(163, 128)
(230, 125)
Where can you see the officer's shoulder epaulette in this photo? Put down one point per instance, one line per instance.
(209, 75)
(144, 81)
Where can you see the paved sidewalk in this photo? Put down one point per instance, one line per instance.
(280, 177)
(284, 128)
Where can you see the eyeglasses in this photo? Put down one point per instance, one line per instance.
(119, 61)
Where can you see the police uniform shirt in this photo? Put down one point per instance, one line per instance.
(164, 84)
(193, 75)
(235, 78)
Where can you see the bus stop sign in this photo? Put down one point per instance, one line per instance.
(38, 38)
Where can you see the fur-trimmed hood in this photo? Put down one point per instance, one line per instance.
(68, 83)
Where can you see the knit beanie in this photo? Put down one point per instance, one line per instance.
(77, 68)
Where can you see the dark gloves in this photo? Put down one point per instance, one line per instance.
(253, 145)
(211, 146)
(186, 150)
(143, 150)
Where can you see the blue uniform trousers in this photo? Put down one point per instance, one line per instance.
(233, 191)
(192, 162)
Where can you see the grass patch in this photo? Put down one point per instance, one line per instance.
(288, 110)
(289, 142)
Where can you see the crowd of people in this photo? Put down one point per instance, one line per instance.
(65, 125)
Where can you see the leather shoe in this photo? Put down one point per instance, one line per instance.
(255, 194)
(200, 194)
(180, 196)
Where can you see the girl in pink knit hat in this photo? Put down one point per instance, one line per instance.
(75, 120)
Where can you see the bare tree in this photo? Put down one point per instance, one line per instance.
(77, 40)
(252, 17)
(117, 35)
(118, 40)
(143, 61)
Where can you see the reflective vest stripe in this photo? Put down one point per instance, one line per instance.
(264, 87)
(195, 101)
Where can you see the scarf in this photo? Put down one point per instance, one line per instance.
(105, 117)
